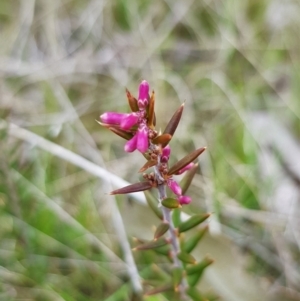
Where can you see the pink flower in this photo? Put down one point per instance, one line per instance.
(174, 186)
(187, 167)
(130, 145)
(126, 121)
(143, 94)
(112, 117)
(142, 139)
(184, 199)
(129, 120)
(139, 141)
(165, 154)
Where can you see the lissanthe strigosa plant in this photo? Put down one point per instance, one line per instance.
(138, 128)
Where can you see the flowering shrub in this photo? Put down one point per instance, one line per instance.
(138, 128)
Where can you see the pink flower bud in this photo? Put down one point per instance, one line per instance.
(174, 186)
(112, 117)
(165, 154)
(130, 145)
(187, 167)
(143, 94)
(142, 139)
(129, 120)
(184, 199)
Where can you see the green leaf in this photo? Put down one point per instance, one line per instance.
(164, 250)
(160, 289)
(196, 271)
(153, 204)
(199, 267)
(152, 244)
(176, 217)
(161, 230)
(192, 242)
(177, 274)
(171, 203)
(186, 258)
(186, 160)
(188, 178)
(192, 222)
(195, 294)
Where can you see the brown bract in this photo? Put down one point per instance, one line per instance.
(163, 140)
(132, 102)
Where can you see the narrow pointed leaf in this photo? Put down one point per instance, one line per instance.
(194, 279)
(195, 294)
(195, 272)
(186, 160)
(164, 250)
(161, 230)
(171, 203)
(121, 133)
(188, 178)
(151, 112)
(173, 123)
(152, 244)
(153, 204)
(186, 258)
(176, 217)
(160, 289)
(163, 139)
(132, 102)
(177, 275)
(192, 222)
(117, 130)
(141, 186)
(192, 242)
(160, 273)
(106, 125)
(147, 165)
(199, 267)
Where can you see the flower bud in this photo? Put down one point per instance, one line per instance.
(165, 154)
(184, 199)
(112, 117)
(143, 94)
(130, 145)
(186, 168)
(174, 186)
(142, 139)
(129, 120)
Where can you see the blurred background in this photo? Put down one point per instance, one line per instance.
(236, 64)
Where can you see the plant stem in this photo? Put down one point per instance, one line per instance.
(167, 213)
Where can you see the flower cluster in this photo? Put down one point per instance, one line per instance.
(137, 119)
(138, 127)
